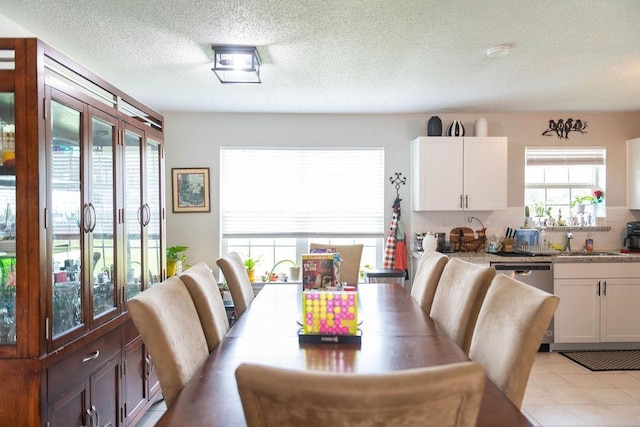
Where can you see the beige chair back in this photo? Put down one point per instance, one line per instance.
(350, 256)
(168, 323)
(446, 395)
(458, 299)
(237, 278)
(510, 328)
(427, 277)
(206, 296)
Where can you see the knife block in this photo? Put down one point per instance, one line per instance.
(507, 244)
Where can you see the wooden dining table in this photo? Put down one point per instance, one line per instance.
(396, 334)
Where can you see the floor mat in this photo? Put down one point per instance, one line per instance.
(610, 360)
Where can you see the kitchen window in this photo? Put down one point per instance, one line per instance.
(555, 176)
(275, 201)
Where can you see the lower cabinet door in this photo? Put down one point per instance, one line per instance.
(92, 403)
(71, 408)
(135, 395)
(105, 402)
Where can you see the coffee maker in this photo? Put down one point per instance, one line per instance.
(632, 239)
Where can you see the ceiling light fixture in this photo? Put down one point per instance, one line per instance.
(236, 64)
(496, 51)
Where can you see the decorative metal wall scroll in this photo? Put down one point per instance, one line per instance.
(562, 128)
(398, 181)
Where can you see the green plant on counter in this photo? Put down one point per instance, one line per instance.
(538, 208)
(579, 200)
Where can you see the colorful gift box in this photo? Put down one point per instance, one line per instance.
(330, 312)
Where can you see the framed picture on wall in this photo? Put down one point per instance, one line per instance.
(190, 189)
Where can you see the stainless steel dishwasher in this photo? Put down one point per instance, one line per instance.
(536, 274)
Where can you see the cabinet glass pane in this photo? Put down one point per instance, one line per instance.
(133, 213)
(8, 279)
(155, 210)
(66, 211)
(101, 237)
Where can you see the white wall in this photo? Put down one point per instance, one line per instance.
(194, 139)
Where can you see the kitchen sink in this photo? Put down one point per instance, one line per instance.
(589, 254)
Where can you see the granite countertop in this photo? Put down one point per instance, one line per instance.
(575, 257)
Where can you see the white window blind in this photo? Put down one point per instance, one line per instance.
(550, 156)
(301, 191)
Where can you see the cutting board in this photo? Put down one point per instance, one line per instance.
(469, 242)
(467, 234)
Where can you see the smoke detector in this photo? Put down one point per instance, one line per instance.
(496, 51)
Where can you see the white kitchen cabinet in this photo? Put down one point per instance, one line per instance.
(455, 173)
(633, 173)
(598, 302)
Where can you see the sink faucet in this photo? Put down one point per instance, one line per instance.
(569, 237)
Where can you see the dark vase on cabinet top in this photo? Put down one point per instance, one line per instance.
(434, 126)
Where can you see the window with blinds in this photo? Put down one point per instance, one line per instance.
(302, 191)
(554, 176)
(275, 201)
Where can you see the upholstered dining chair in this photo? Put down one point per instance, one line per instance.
(510, 327)
(446, 395)
(206, 296)
(350, 256)
(458, 298)
(425, 281)
(165, 317)
(238, 280)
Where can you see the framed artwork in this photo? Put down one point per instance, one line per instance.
(190, 189)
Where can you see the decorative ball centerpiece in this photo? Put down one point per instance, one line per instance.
(456, 129)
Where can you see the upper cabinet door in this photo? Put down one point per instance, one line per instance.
(70, 218)
(134, 212)
(485, 173)
(102, 236)
(153, 218)
(633, 173)
(8, 220)
(437, 171)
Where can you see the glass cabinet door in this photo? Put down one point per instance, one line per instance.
(67, 215)
(153, 221)
(133, 212)
(101, 236)
(8, 279)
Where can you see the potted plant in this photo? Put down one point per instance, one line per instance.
(250, 264)
(175, 258)
(578, 202)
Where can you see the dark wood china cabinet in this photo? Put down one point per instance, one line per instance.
(81, 231)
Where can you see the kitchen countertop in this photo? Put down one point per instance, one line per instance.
(576, 257)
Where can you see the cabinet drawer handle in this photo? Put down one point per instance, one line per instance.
(91, 356)
(598, 293)
(604, 290)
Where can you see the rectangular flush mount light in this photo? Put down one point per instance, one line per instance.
(236, 64)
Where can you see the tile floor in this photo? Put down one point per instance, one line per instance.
(560, 393)
(563, 393)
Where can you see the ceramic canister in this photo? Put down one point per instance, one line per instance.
(429, 242)
(482, 127)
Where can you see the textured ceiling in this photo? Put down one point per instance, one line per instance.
(354, 56)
